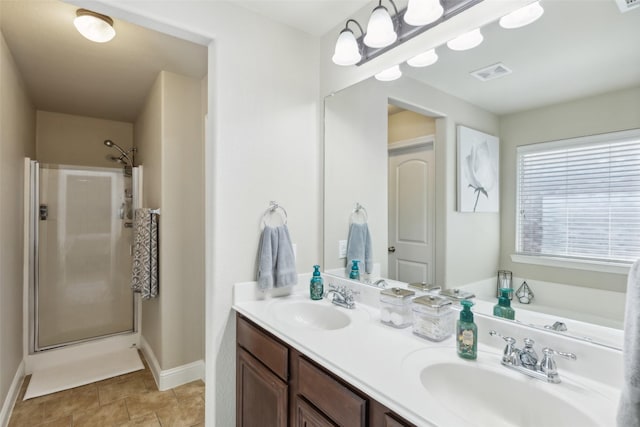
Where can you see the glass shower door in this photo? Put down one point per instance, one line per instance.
(84, 260)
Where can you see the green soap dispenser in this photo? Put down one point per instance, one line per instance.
(467, 332)
(503, 307)
(316, 287)
(355, 271)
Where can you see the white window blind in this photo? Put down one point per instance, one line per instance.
(580, 198)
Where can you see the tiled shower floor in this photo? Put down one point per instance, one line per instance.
(127, 400)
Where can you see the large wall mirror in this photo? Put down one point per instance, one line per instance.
(391, 147)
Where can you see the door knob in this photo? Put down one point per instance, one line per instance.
(392, 249)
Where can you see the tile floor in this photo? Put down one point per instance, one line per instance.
(127, 400)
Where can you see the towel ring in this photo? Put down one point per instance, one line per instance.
(273, 208)
(359, 209)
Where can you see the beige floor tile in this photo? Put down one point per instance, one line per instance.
(186, 413)
(149, 420)
(115, 391)
(70, 401)
(151, 401)
(60, 422)
(108, 415)
(192, 389)
(28, 414)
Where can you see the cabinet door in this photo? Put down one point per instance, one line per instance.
(308, 416)
(261, 397)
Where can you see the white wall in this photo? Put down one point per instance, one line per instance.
(169, 138)
(17, 140)
(608, 112)
(77, 140)
(148, 141)
(263, 145)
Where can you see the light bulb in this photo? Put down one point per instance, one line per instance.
(422, 12)
(347, 51)
(523, 16)
(94, 26)
(391, 73)
(466, 41)
(424, 59)
(380, 32)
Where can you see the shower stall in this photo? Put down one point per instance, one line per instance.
(80, 254)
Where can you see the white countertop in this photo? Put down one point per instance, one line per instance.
(385, 362)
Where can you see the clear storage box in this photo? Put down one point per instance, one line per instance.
(433, 317)
(395, 307)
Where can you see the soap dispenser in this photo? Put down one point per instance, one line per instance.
(467, 332)
(316, 288)
(503, 307)
(355, 271)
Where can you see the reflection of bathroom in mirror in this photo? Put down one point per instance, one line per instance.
(568, 78)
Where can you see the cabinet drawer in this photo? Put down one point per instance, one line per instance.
(335, 400)
(264, 347)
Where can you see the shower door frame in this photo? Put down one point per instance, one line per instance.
(34, 259)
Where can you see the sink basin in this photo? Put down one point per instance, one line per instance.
(485, 393)
(490, 398)
(312, 315)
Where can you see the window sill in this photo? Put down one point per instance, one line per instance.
(600, 266)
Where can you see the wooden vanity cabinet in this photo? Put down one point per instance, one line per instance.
(277, 386)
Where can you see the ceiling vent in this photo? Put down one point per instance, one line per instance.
(491, 72)
(627, 5)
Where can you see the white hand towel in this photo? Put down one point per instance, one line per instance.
(629, 407)
(276, 262)
(359, 246)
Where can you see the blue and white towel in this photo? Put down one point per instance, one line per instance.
(276, 261)
(144, 278)
(629, 406)
(359, 246)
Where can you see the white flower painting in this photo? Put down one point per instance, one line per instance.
(478, 185)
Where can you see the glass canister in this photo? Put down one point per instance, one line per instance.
(395, 307)
(433, 317)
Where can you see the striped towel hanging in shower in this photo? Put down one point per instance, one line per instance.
(145, 254)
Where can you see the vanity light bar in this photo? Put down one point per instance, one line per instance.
(407, 32)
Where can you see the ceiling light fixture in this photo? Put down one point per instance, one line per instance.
(347, 50)
(385, 31)
(425, 59)
(390, 74)
(380, 29)
(466, 41)
(94, 26)
(523, 16)
(423, 12)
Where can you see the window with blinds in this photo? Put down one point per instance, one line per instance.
(580, 198)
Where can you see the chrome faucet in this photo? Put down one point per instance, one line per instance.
(557, 326)
(526, 360)
(341, 296)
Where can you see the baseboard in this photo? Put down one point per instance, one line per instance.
(12, 395)
(173, 377)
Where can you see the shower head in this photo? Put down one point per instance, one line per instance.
(124, 155)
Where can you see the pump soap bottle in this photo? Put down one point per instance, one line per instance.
(316, 288)
(355, 271)
(467, 332)
(503, 307)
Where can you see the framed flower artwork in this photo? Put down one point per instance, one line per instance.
(478, 171)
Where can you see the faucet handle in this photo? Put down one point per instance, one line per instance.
(510, 355)
(550, 352)
(548, 364)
